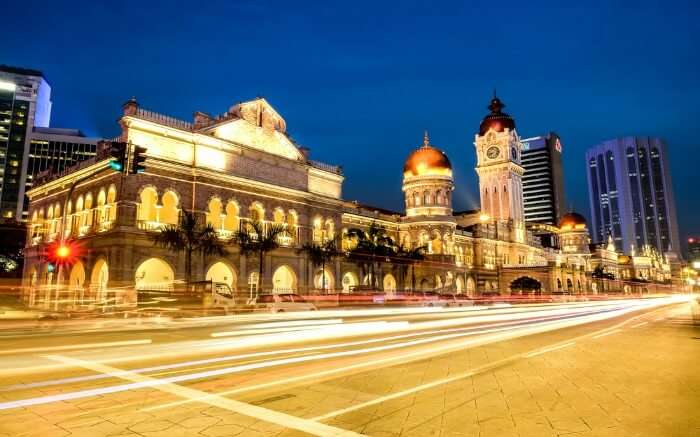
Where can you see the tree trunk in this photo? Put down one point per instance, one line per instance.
(188, 267)
(261, 256)
(413, 277)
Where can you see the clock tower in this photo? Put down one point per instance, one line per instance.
(498, 151)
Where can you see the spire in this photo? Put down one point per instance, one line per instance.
(426, 139)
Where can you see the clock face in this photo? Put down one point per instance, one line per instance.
(493, 152)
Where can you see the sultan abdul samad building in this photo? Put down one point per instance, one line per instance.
(241, 166)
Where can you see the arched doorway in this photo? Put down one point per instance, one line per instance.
(350, 281)
(389, 283)
(99, 278)
(323, 280)
(284, 280)
(424, 284)
(221, 272)
(154, 274)
(76, 279)
(459, 285)
(471, 286)
(525, 285)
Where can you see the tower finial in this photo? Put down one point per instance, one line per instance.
(426, 140)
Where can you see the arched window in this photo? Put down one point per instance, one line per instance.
(416, 199)
(101, 201)
(426, 198)
(257, 212)
(232, 213)
(317, 231)
(439, 198)
(329, 230)
(111, 203)
(278, 216)
(87, 215)
(147, 209)
(213, 214)
(169, 211)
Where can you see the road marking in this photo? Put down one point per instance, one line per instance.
(550, 349)
(257, 412)
(75, 346)
(614, 331)
(639, 324)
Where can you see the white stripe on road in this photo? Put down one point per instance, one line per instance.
(271, 416)
(614, 331)
(74, 346)
(550, 349)
(639, 324)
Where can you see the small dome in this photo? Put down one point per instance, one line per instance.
(427, 160)
(571, 220)
(497, 119)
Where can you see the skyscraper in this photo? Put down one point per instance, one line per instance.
(543, 181)
(631, 194)
(57, 149)
(25, 102)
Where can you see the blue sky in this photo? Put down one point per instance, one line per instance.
(358, 82)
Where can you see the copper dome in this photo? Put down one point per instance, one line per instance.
(572, 219)
(497, 119)
(427, 160)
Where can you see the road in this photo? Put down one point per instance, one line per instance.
(627, 367)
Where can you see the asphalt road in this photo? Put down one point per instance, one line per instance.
(590, 368)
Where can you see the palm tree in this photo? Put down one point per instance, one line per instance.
(189, 236)
(256, 238)
(372, 244)
(320, 255)
(413, 257)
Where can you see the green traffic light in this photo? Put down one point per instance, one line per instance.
(114, 165)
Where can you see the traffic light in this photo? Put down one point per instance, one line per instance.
(118, 152)
(137, 164)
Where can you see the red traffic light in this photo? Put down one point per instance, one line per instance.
(63, 252)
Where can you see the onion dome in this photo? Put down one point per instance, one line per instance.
(427, 160)
(572, 220)
(497, 119)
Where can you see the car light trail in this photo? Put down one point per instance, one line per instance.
(74, 346)
(549, 325)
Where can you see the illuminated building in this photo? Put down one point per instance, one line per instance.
(631, 194)
(241, 166)
(543, 180)
(56, 150)
(25, 102)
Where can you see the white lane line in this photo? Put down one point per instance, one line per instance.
(614, 331)
(639, 324)
(271, 416)
(550, 349)
(74, 346)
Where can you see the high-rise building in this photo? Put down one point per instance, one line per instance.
(57, 149)
(631, 194)
(25, 103)
(543, 181)
(694, 251)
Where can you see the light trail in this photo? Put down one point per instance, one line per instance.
(286, 361)
(639, 324)
(74, 346)
(289, 351)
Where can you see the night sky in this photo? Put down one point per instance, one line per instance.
(358, 82)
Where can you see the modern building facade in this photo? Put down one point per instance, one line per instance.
(631, 194)
(241, 167)
(55, 150)
(25, 103)
(543, 180)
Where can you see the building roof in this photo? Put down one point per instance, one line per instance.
(572, 219)
(19, 70)
(427, 159)
(497, 119)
